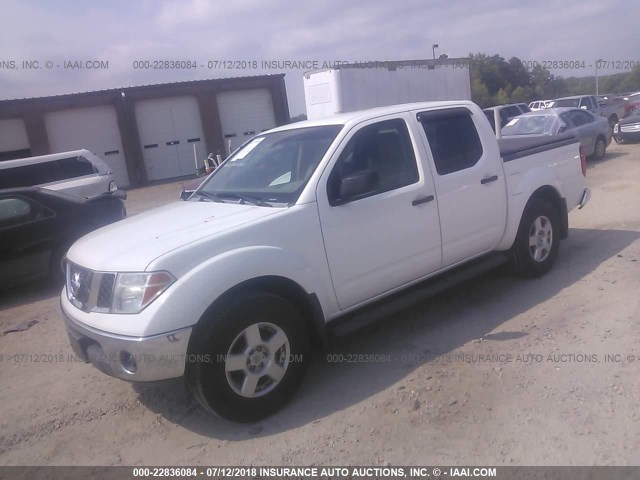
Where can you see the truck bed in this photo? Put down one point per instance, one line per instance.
(512, 148)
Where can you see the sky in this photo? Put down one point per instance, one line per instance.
(123, 32)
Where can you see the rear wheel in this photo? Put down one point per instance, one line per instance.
(248, 356)
(600, 148)
(537, 241)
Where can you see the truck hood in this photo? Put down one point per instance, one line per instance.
(133, 243)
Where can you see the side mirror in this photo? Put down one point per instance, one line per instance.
(583, 107)
(562, 129)
(357, 185)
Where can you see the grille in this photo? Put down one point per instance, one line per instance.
(631, 127)
(79, 285)
(105, 292)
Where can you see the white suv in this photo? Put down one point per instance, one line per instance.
(79, 173)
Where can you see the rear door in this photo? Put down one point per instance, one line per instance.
(469, 182)
(391, 235)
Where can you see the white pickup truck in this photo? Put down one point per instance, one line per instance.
(310, 228)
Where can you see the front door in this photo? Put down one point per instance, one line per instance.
(390, 235)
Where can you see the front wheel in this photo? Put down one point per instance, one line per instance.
(536, 245)
(248, 357)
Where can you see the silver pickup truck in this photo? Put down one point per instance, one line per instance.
(609, 109)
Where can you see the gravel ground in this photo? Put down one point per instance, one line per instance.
(496, 371)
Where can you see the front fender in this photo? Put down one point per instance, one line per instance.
(211, 279)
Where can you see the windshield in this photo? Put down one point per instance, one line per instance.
(567, 102)
(532, 125)
(270, 169)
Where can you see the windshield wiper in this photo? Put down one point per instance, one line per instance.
(240, 196)
(204, 194)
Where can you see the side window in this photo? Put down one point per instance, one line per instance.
(577, 118)
(76, 167)
(453, 139)
(586, 102)
(587, 118)
(511, 112)
(382, 148)
(14, 211)
(25, 176)
(566, 119)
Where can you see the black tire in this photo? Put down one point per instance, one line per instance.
(521, 255)
(600, 148)
(223, 327)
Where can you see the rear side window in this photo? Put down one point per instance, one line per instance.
(14, 211)
(453, 138)
(46, 172)
(580, 118)
(76, 167)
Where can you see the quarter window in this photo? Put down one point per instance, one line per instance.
(14, 211)
(453, 139)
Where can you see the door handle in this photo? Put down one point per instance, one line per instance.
(489, 179)
(422, 200)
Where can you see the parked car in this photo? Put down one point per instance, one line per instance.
(507, 112)
(628, 129)
(630, 96)
(630, 106)
(538, 105)
(612, 111)
(317, 226)
(79, 173)
(593, 132)
(37, 226)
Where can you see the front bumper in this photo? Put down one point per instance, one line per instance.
(628, 136)
(136, 359)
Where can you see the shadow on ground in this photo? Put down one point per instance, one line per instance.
(425, 331)
(28, 292)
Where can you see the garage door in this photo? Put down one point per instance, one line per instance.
(95, 129)
(13, 139)
(243, 114)
(169, 128)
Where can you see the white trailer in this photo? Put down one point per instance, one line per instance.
(358, 86)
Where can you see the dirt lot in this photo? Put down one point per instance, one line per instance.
(534, 386)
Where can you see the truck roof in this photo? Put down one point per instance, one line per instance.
(352, 118)
(573, 97)
(43, 158)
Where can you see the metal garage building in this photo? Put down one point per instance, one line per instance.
(146, 133)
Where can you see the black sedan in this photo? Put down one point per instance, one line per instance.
(628, 129)
(38, 226)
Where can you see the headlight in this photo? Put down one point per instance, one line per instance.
(113, 186)
(132, 292)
